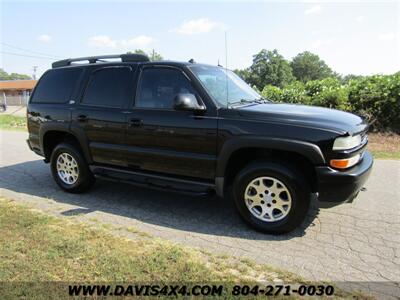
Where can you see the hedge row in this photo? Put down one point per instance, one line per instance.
(375, 97)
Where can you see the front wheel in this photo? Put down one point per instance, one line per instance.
(69, 169)
(272, 197)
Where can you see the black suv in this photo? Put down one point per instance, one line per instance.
(195, 129)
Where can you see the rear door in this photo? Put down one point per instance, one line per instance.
(100, 115)
(49, 106)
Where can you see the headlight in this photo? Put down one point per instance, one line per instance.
(348, 142)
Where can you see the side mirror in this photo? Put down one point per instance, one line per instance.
(187, 102)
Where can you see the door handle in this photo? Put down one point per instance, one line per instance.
(135, 122)
(82, 118)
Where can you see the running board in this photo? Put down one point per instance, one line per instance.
(154, 181)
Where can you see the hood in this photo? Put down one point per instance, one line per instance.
(303, 115)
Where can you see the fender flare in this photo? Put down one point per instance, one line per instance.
(65, 128)
(311, 151)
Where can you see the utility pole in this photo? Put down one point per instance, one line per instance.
(34, 72)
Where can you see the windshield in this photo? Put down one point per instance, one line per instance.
(224, 85)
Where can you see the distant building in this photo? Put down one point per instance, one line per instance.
(16, 92)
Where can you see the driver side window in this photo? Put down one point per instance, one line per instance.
(159, 86)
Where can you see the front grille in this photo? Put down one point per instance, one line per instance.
(364, 138)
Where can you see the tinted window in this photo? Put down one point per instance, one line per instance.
(109, 87)
(57, 86)
(159, 86)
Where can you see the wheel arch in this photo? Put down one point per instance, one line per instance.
(237, 153)
(51, 137)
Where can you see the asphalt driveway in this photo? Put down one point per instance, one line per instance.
(356, 242)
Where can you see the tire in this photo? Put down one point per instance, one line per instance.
(72, 174)
(290, 206)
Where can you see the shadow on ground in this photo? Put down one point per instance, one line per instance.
(206, 215)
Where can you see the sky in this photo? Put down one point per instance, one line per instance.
(361, 37)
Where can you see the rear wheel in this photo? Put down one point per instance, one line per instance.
(69, 169)
(271, 196)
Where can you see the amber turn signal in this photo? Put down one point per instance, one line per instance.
(345, 163)
(339, 163)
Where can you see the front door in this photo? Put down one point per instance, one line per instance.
(161, 139)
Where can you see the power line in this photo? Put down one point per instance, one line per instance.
(31, 51)
(25, 55)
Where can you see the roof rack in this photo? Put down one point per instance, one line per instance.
(95, 59)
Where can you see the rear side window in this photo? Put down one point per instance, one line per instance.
(109, 87)
(56, 86)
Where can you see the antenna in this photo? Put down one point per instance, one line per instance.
(226, 67)
(226, 50)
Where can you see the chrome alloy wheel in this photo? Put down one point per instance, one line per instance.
(268, 199)
(67, 168)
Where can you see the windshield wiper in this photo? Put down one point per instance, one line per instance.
(263, 100)
(246, 101)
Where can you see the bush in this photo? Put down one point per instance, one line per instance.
(292, 93)
(375, 97)
(272, 93)
(328, 93)
(378, 99)
(295, 93)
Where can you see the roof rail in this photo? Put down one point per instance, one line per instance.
(95, 59)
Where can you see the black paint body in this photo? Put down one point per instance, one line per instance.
(197, 146)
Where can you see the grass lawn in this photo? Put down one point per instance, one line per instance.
(12, 122)
(38, 248)
(383, 146)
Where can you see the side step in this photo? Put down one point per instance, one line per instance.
(154, 181)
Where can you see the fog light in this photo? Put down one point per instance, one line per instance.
(345, 163)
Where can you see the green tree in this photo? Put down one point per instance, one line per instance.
(137, 51)
(347, 78)
(244, 74)
(13, 76)
(269, 67)
(153, 55)
(3, 75)
(307, 66)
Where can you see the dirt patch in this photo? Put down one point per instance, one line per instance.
(384, 145)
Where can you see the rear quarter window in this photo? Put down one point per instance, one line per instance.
(109, 87)
(57, 86)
